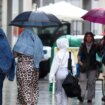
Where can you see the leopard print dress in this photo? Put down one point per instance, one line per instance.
(27, 81)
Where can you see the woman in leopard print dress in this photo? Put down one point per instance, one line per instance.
(27, 81)
(29, 51)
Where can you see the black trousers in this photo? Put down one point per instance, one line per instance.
(2, 77)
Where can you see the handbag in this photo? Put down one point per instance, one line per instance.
(71, 86)
(83, 68)
(70, 83)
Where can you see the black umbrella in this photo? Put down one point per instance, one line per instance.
(35, 19)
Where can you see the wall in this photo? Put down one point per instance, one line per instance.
(86, 24)
(102, 5)
(4, 15)
(41, 3)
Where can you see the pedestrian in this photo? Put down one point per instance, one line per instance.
(88, 66)
(7, 62)
(103, 97)
(59, 69)
(29, 51)
(103, 62)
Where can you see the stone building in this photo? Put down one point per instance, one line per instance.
(10, 8)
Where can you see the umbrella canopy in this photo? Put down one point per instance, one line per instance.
(96, 15)
(35, 19)
(64, 10)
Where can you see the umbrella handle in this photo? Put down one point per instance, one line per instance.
(53, 89)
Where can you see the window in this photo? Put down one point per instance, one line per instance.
(49, 34)
(76, 27)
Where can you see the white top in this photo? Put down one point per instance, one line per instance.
(61, 58)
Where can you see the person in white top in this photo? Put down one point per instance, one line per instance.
(59, 69)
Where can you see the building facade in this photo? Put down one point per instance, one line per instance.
(10, 8)
(77, 26)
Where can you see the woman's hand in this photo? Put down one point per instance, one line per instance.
(80, 63)
(101, 42)
(51, 79)
(15, 54)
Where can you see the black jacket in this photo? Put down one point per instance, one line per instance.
(88, 59)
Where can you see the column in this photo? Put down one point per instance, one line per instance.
(20, 6)
(86, 25)
(27, 5)
(102, 5)
(4, 15)
(9, 18)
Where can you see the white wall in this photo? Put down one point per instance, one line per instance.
(18, 7)
(27, 5)
(102, 5)
(4, 15)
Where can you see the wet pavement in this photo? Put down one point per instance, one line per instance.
(45, 96)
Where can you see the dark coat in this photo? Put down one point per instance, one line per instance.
(7, 62)
(88, 59)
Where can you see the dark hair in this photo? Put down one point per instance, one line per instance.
(103, 37)
(88, 33)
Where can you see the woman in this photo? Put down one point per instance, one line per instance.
(59, 69)
(29, 51)
(103, 63)
(7, 62)
(88, 66)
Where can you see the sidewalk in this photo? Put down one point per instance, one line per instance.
(45, 97)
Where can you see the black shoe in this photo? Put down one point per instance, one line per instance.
(80, 99)
(89, 101)
(103, 98)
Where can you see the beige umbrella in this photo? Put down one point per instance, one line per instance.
(64, 11)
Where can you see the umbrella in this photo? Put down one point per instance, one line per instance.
(96, 15)
(35, 19)
(67, 13)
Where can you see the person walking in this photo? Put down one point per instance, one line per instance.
(29, 51)
(7, 62)
(88, 66)
(103, 97)
(103, 65)
(59, 69)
